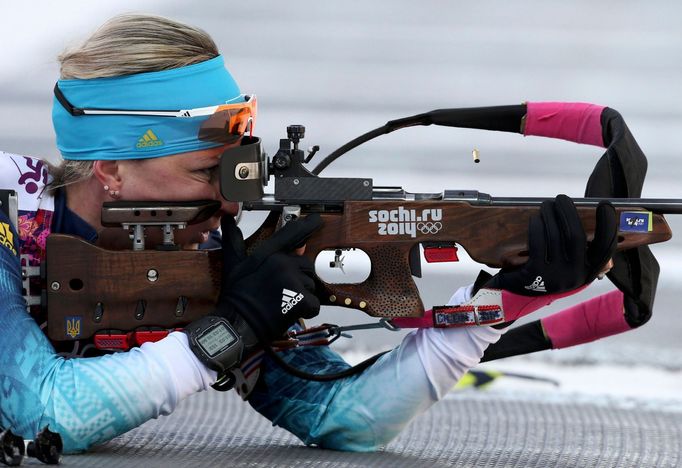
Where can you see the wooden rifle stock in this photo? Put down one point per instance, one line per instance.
(90, 289)
(127, 290)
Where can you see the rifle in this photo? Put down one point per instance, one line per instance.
(127, 297)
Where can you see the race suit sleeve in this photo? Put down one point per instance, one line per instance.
(87, 400)
(366, 411)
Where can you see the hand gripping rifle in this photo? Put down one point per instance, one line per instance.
(123, 298)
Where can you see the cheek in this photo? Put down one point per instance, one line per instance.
(159, 180)
(143, 181)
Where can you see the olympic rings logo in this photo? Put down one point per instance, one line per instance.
(429, 227)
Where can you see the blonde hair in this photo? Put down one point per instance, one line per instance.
(125, 45)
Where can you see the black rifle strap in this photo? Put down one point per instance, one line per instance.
(620, 173)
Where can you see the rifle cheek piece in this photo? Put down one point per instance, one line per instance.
(243, 171)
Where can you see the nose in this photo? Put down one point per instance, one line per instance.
(229, 208)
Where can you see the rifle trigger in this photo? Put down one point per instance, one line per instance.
(338, 260)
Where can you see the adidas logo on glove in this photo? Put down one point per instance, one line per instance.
(538, 285)
(290, 299)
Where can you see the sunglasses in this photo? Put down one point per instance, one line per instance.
(225, 123)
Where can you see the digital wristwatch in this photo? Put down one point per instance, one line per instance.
(215, 342)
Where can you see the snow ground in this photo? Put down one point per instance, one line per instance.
(640, 386)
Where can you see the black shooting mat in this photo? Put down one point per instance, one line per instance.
(468, 429)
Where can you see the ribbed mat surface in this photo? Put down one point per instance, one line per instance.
(215, 429)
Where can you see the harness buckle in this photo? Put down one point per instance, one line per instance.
(31, 277)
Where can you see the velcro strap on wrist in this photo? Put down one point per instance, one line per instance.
(467, 315)
(483, 309)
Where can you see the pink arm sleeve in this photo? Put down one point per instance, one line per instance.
(514, 306)
(596, 318)
(572, 121)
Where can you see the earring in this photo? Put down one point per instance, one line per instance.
(114, 193)
(106, 188)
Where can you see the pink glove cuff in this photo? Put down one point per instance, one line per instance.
(516, 306)
(588, 321)
(572, 121)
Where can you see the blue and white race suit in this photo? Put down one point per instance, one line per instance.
(92, 400)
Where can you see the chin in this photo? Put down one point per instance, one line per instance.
(194, 240)
(203, 237)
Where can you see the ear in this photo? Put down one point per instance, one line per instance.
(107, 173)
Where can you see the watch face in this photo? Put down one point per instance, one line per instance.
(216, 340)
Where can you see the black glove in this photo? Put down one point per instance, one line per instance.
(271, 288)
(559, 258)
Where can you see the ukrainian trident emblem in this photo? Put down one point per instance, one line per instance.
(73, 326)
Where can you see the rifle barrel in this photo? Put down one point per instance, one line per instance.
(656, 205)
(474, 197)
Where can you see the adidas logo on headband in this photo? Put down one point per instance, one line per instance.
(148, 140)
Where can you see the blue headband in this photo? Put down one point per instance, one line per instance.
(93, 137)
